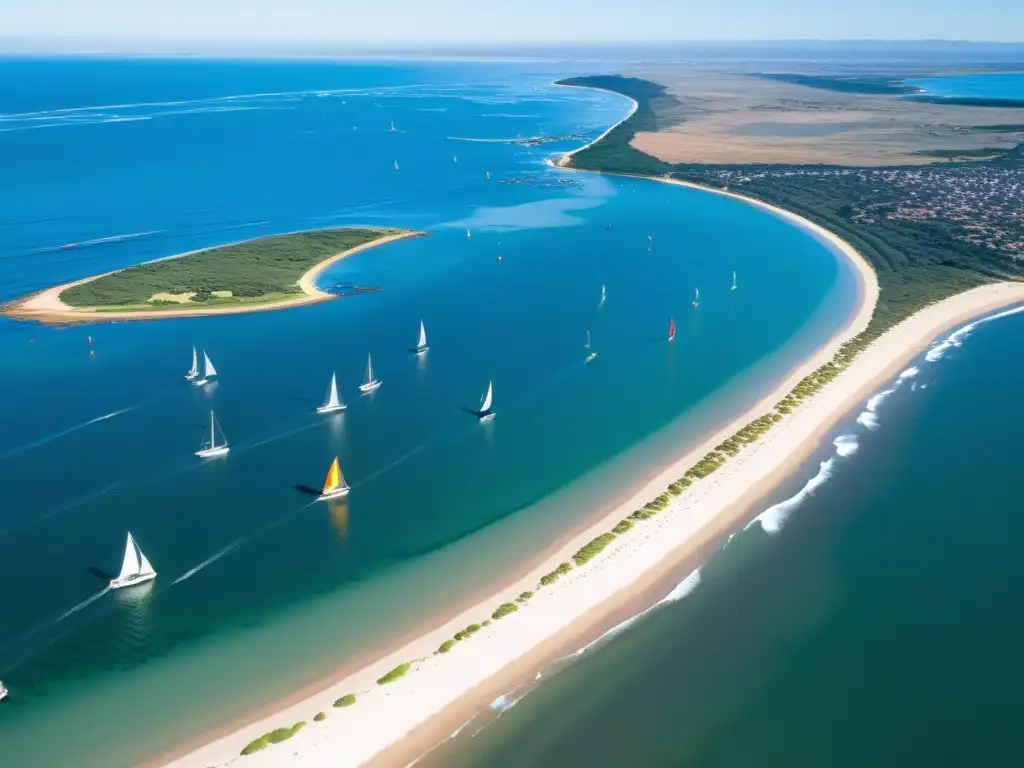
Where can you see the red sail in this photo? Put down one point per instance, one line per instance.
(672, 329)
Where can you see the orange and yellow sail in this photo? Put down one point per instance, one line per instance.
(333, 477)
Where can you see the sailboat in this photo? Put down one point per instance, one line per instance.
(421, 346)
(334, 485)
(3, 690)
(455, 158)
(209, 372)
(396, 165)
(135, 569)
(488, 175)
(468, 233)
(604, 294)
(333, 402)
(671, 329)
(193, 372)
(371, 383)
(210, 448)
(734, 285)
(696, 297)
(393, 129)
(586, 346)
(485, 411)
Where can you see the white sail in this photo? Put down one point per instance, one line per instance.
(369, 370)
(468, 233)
(194, 370)
(423, 336)
(485, 404)
(144, 567)
(396, 165)
(696, 295)
(131, 560)
(587, 346)
(333, 401)
(604, 293)
(210, 371)
(734, 279)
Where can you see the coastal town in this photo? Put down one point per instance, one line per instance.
(979, 204)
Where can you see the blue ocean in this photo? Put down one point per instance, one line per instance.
(111, 162)
(996, 85)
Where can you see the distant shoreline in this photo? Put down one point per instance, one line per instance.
(47, 307)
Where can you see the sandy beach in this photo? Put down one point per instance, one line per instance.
(47, 307)
(394, 724)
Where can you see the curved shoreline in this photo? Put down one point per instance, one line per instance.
(398, 723)
(398, 746)
(47, 307)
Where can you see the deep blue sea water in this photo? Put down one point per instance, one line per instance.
(870, 616)
(996, 85)
(261, 591)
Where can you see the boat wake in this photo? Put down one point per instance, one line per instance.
(63, 433)
(84, 604)
(209, 561)
(110, 239)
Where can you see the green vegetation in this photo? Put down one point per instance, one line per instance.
(446, 646)
(524, 596)
(320, 717)
(878, 85)
(276, 736)
(504, 610)
(622, 527)
(394, 674)
(592, 549)
(917, 262)
(256, 271)
(472, 629)
(346, 701)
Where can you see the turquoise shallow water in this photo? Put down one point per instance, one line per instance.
(260, 590)
(1001, 85)
(871, 616)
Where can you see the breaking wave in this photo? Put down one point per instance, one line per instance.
(956, 338)
(846, 445)
(774, 518)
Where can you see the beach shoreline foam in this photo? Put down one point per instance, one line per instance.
(47, 307)
(396, 723)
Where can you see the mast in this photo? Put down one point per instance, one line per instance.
(213, 434)
(194, 370)
(369, 369)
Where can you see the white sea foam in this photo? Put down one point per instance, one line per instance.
(910, 373)
(208, 561)
(868, 420)
(63, 433)
(774, 518)
(458, 730)
(846, 445)
(83, 604)
(956, 338)
(681, 590)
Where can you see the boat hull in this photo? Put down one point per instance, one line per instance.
(191, 376)
(212, 453)
(131, 581)
(485, 415)
(420, 350)
(201, 382)
(370, 386)
(331, 408)
(335, 494)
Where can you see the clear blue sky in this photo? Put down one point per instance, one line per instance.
(406, 21)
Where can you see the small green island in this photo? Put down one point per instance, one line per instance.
(265, 273)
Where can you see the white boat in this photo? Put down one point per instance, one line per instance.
(371, 383)
(193, 372)
(333, 402)
(393, 129)
(334, 485)
(604, 294)
(485, 411)
(455, 158)
(696, 297)
(734, 284)
(488, 175)
(396, 165)
(3, 690)
(468, 233)
(209, 372)
(210, 448)
(421, 346)
(135, 569)
(586, 346)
